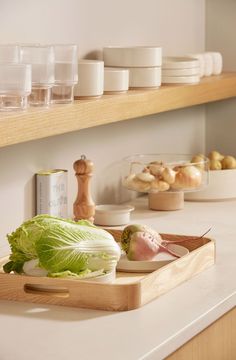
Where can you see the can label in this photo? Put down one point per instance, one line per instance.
(51, 193)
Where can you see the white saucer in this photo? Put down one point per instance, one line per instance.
(161, 259)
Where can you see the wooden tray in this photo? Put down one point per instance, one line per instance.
(129, 291)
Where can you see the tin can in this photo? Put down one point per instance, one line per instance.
(51, 192)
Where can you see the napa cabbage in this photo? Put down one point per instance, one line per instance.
(62, 247)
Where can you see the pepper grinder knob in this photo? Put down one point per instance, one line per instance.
(84, 207)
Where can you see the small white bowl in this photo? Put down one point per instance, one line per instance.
(91, 79)
(177, 62)
(222, 186)
(116, 80)
(135, 56)
(217, 62)
(146, 77)
(112, 215)
(181, 72)
(208, 64)
(181, 79)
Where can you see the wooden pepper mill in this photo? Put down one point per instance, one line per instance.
(84, 207)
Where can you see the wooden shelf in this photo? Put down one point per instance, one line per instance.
(36, 123)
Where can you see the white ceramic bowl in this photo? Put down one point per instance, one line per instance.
(181, 72)
(222, 186)
(90, 79)
(112, 215)
(116, 80)
(217, 62)
(177, 62)
(194, 79)
(149, 77)
(208, 64)
(135, 56)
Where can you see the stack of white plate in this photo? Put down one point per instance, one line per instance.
(143, 63)
(180, 70)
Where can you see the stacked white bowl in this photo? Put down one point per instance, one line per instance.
(116, 80)
(211, 63)
(180, 70)
(143, 63)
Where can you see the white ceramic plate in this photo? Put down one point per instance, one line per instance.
(181, 72)
(162, 259)
(181, 79)
(180, 62)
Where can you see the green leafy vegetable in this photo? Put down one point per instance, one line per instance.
(62, 247)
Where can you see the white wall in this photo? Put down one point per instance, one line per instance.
(178, 26)
(220, 36)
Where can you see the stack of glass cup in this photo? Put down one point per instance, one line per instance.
(66, 73)
(15, 79)
(42, 63)
(37, 74)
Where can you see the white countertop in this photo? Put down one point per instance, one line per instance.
(31, 331)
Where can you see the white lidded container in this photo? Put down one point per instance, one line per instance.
(90, 79)
(51, 192)
(134, 56)
(116, 80)
(15, 86)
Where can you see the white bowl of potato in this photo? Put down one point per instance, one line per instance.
(222, 179)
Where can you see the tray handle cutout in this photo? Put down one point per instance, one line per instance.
(48, 290)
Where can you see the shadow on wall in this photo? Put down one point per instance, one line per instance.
(94, 55)
(109, 185)
(30, 198)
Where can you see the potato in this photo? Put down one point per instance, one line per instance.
(215, 155)
(228, 162)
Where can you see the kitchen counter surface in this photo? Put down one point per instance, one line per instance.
(31, 331)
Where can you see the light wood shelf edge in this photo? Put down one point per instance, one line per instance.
(35, 124)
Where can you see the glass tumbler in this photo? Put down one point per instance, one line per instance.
(9, 54)
(66, 73)
(15, 86)
(41, 59)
